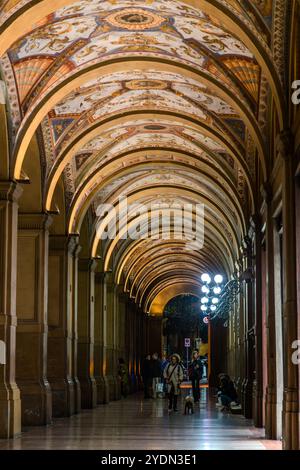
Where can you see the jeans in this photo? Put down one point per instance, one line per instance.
(147, 384)
(196, 390)
(172, 401)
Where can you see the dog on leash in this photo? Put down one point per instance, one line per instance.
(189, 405)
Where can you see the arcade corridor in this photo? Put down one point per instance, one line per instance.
(149, 203)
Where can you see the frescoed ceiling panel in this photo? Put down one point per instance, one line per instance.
(89, 31)
(169, 121)
(103, 97)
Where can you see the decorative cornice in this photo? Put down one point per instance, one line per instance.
(34, 221)
(87, 264)
(10, 191)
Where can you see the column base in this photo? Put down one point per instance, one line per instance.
(257, 406)
(77, 396)
(271, 413)
(114, 388)
(36, 404)
(10, 412)
(102, 390)
(247, 399)
(63, 397)
(290, 420)
(88, 389)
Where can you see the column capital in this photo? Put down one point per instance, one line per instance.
(285, 144)
(87, 264)
(10, 191)
(266, 192)
(34, 221)
(255, 223)
(73, 244)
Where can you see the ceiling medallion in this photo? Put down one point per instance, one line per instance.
(146, 85)
(135, 19)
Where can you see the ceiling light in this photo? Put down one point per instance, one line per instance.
(206, 278)
(218, 279)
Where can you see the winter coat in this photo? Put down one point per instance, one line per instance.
(174, 376)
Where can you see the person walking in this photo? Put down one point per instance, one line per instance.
(123, 376)
(173, 374)
(196, 372)
(146, 375)
(156, 373)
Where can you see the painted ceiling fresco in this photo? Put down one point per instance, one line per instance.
(91, 31)
(178, 108)
(143, 134)
(136, 90)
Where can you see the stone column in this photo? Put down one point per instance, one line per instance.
(271, 398)
(111, 359)
(10, 403)
(60, 338)
(75, 250)
(247, 388)
(257, 323)
(32, 329)
(85, 358)
(291, 385)
(100, 340)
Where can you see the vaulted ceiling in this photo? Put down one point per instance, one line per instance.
(161, 101)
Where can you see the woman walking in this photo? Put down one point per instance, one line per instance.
(173, 374)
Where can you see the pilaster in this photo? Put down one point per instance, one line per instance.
(85, 358)
(10, 403)
(32, 313)
(291, 382)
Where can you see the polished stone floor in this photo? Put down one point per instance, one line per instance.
(134, 424)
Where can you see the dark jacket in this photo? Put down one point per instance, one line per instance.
(146, 368)
(155, 368)
(228, 389)
(196, 369)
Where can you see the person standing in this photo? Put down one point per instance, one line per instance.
(123, 376)
(156, 373)
(146, 375)
(196, 373)
(173, 374)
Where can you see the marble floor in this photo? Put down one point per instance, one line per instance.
(135, 424)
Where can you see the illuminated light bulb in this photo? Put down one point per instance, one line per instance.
(217, 290)
(213, 308)
(206, 278)
(205, 290)
(215, 300)
(204, 300)
(203, 308)
(218, 279)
